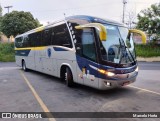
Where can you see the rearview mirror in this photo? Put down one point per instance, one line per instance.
(143, 35)
(101, 28)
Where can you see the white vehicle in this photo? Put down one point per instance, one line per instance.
(81, 49)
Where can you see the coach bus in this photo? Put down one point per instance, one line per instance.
(81, 49)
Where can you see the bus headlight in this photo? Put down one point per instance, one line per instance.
(110, 74)
(106, 72)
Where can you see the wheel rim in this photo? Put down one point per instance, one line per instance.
(66, 79)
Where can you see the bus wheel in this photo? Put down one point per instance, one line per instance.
(24, 66)
(68, 77)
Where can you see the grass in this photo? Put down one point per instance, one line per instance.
(7, 53)
(149, 50)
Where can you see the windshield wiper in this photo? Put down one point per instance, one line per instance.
(124, 51)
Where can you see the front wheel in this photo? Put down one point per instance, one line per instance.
(24, 66)
(68, 77)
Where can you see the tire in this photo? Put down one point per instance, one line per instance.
(68, 77)
(24, 66)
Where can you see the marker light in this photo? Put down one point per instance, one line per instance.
(102, 71)
(136, 69)
(108, 84)
(106, 72)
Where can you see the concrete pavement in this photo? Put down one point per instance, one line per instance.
(151, 59)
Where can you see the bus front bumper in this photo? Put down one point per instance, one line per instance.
(121, 80)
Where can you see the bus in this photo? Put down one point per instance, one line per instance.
(81, 49)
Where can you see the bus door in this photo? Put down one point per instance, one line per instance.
(29, 42)
(38, 51)
(48, 58)
(87, 60)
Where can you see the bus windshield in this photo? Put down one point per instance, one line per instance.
(119, 47)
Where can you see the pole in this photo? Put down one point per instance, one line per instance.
(8, 7)
(124, 5)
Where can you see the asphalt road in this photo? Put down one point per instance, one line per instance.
(36, 92)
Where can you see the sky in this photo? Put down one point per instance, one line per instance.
(51, 10)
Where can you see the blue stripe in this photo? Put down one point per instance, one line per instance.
(22, 52)
(59, 49)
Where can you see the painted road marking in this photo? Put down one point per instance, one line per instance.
(146, 90)
(8, 68)
(43, 106)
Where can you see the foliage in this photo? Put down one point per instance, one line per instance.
(16, 22)
(0, 11)
(149, 50)
(0, 20)
(7, 52)
(149, 20)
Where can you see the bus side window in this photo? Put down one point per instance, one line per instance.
(88, 44)
(38, 41)
(46, 37)
(77, 33)
(61, 36)
(18, 42)
(26, 41)
(32, 40)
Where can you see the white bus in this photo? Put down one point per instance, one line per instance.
(81, 49)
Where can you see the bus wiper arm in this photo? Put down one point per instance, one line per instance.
(128, 50)
(122, 48)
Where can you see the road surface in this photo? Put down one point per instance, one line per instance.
(36, 92)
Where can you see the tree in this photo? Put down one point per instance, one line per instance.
(0, 21)
(16, 22)
(149, 20)
(0, 10)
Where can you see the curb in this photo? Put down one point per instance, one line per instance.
(152, 59)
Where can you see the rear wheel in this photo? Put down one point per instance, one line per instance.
(68, 77)
(24, 66)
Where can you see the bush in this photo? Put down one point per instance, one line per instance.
(149, 50)
(7, 53)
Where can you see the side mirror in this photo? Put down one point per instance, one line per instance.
(143, 35)
(101, 28)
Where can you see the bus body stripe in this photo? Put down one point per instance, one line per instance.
(31, 48)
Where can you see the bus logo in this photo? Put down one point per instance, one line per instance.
(49, 52)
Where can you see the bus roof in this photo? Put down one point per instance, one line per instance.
(86, 17)
(96, 19)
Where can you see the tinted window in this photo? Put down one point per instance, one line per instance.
(18, 42)
(26, 42)
(32, 38)
(46, 39)
(61, 36)
(38, 38)
(77, 32)
(88, 44)
(83, 39)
